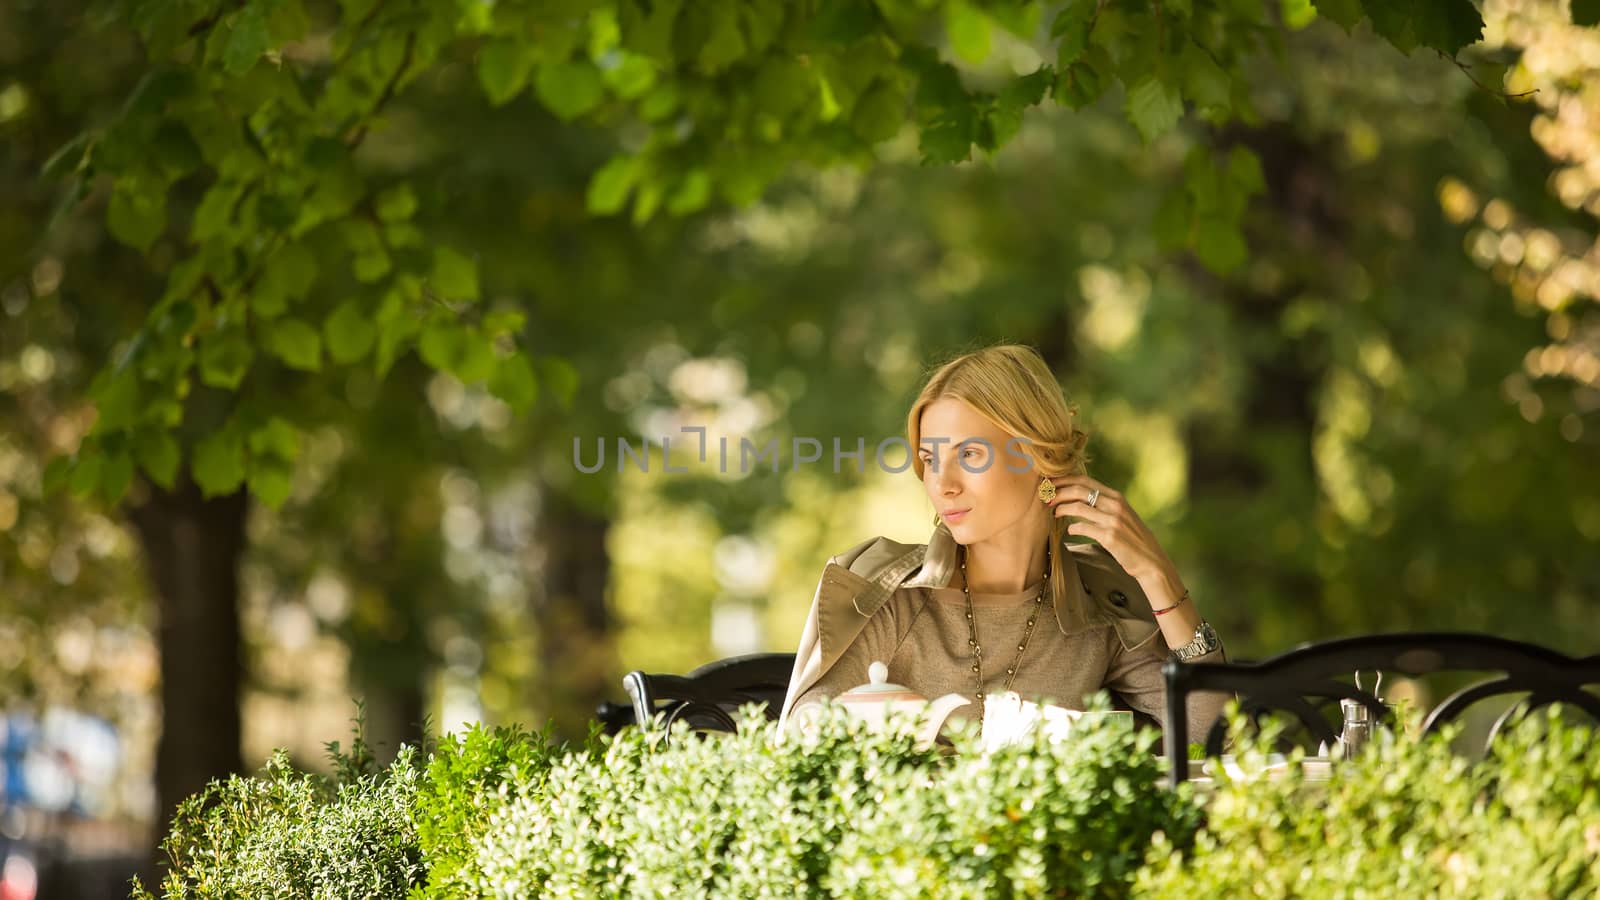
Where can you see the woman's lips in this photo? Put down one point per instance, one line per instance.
(955, 516)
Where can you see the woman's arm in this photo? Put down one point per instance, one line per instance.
(1135, 675)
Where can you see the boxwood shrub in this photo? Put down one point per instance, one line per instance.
(850, 813)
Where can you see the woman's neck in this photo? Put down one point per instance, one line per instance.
(1006, 562)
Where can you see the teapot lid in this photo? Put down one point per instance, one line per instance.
(878, 682)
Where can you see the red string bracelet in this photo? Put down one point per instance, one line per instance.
(1181, 600)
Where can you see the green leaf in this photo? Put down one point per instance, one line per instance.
(84, 479)
(271, 481)
(841, 23)
(371, 266)
(650, 33)
(396, 204)
(1005, 118)
(1244, 170)
(645, 201)
(440, 344)
(969, 31)
(215, 210)
(1071, 29)
(1297, 14)
(296, 343)
(1447, 27)
(225, 357)
(116, 473)
(880, 113)
(1021, 18)
(661, 102)
(349, 332)
(725, 43)
(116, 397)
(289, 274)
(175, 149)
(1393, 22)
(503, 69)
(1586, 13)
(276, 439)
(561, 377)
(276, 212)
(569, 89)
(158, 455)
(513, 382)
(781, 87)
(1153, 107)
(692, 193)
(631, 76)
(609, 187)
(476, 362)
(1346, 13)
(455, 276)
(1204, 82)
(504, 321)
(1085, 81)
(218, 464)
(395, 328)
(138, 212)
(247, 39)
(1219, 245)
(948, 138)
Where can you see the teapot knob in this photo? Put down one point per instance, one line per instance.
(878, 673)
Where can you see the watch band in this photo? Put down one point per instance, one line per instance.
(1205, 641)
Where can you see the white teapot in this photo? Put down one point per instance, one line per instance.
(874, 701)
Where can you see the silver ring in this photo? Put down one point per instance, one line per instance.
(1094, 494)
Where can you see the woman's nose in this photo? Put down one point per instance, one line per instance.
(948, 477)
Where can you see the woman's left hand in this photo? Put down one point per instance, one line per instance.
(1112, 523)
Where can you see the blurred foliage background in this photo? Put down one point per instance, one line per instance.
(1385, 418)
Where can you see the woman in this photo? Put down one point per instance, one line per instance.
(997, 599)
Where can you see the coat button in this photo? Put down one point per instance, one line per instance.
(1118, 598)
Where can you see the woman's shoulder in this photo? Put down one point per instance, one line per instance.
(869, 558)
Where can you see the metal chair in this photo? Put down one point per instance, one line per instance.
(1287, 682)
(708, 696)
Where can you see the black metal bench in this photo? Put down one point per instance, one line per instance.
(1291, 682)
(707, 697)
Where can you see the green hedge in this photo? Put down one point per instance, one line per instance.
(505, 813)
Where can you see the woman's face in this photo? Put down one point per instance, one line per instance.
(968, 465)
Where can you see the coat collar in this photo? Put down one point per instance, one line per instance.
(933, 565)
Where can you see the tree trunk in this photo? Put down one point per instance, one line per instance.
(577, 650)
(1269, 450)
(192, 548)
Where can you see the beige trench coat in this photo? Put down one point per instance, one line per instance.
(856, 583)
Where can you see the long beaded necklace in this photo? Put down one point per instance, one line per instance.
(972, 626)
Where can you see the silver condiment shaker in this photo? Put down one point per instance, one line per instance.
(1357, 726)
(1357, 719)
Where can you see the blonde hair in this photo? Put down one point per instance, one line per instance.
(1010, 385)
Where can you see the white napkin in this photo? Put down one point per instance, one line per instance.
(1008, 719)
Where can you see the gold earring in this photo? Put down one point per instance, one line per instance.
(936, 520)
(1047, 490)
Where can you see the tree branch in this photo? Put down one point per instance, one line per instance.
(1499, 93)
(389, 89)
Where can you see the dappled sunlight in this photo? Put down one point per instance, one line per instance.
(1151, 445)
